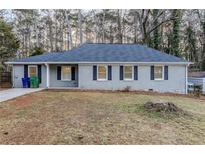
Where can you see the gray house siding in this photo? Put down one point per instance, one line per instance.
(176, 82)
(43, 76)
(59, 83)
(84, 78)
(18, 74)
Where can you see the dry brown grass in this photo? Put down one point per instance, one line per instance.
(98, 118)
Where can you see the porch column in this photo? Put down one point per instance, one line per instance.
(186, 79)
(47, 76)
(13, 76)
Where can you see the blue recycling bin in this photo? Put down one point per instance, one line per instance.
(24, 82)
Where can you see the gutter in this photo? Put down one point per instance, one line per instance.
(186, 78)
(178, 63)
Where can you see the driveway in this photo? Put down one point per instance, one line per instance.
(16, 92)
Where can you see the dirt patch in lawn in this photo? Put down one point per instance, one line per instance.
(23, 101)
(98, 118)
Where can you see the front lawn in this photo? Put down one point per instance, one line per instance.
(49, 117)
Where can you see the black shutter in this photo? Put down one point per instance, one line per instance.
(94, 72)
(121, 72)
(152, 73)
(135, 72)
(72, 73)
(39, 73)
(165, 72)
(109, 72)
(58, 72)
(25, 70)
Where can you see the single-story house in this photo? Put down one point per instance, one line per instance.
(197, 78)
(105, 67)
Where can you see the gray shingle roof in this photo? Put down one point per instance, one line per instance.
(105, 53)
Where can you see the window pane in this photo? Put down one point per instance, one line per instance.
(102, 72)
(128, 69)
(102, 69)
(66, 72)
(127, 72)
(158, 72)
(101, 75)
(128, 76)
(32, 71)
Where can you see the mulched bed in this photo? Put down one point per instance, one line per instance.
(202, 97)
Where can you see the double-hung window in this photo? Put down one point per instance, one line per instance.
(102, 72)
(32, 71)
(158, 72)
(128, 73)
(66, 73)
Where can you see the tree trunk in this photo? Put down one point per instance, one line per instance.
(80, 26)
(50, 36)
(175, 33)
(135, 27)
(103, 27)
(69, 31)
(156, 41)
(61, 35)
(36, 34)
(56, 32)
(203, 49)
(119, 26)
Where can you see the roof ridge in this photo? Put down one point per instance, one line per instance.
(115, 43)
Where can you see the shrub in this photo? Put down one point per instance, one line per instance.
(197, 90)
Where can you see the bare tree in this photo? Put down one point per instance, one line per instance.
(147, 26)
(80, 26)
(66, 29)
(69, 30)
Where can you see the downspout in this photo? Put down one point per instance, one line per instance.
(13, 76)
(186, 80)
(47, 75)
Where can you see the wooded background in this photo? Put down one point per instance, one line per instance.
(176, 32)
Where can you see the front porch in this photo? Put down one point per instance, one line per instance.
(61, 76)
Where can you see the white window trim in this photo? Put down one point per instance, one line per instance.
(159, 79)
(106, 79)
(29, 70)
(126, 79)
(62, 73)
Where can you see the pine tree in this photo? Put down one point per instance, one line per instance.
(191, 44)
(156, 40)
(37, 51)
(8, 43)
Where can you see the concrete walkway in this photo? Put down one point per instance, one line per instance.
(16, 92)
